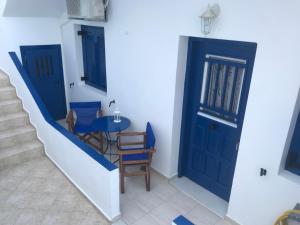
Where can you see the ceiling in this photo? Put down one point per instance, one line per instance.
(34, 8)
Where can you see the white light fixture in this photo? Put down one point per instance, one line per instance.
(208, 18)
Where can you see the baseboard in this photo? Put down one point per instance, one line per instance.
(82, 192)
(228, 219)
(164, 176)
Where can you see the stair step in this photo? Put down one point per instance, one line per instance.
(4, 81)
(13, 120)
(10, 106)
(7, 93)
(3, 75)
(20, 153)
(11, 137)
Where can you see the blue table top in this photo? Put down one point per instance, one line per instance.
(107, 124)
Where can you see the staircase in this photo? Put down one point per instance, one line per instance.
(18, 139)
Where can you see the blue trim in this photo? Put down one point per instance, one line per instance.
(84, 147)
(181, 220)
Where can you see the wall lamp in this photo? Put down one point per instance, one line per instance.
(208, 18)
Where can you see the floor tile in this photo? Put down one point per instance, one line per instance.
(8, 216)
(20, 200)
(131, 212)
(31, 184)
(148, 201)
(120, 222)
(201, 215)
(52, 186)
(30, 217)
(223, 222)
(22, 170)
(149, 220)
(182, 203)
(164, 214)
(10, 183)
(94, 219)
(42, 201)
(200, 194)
(164, 190)
(4, 195)
(63, 218)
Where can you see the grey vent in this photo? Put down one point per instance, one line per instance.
(73, 7)
(87, 9)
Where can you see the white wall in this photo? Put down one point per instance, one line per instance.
(34, 8)
(142, 40)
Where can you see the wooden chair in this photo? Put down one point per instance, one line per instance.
(85, 113)
(136, 153)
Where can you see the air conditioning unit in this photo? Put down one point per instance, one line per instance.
(87, 9)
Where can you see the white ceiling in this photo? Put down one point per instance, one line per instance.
(34, 8)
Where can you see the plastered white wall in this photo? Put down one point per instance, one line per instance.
(142, 41)
(88, 175)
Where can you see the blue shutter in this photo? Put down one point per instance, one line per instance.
(93, 48)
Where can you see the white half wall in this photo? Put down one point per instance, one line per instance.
(142, 42)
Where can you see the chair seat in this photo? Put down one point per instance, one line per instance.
(83, 128)
(134, 157)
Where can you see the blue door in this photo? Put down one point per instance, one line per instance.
(216, 89)
(43, 64)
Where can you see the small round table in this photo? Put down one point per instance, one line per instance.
(107, 125)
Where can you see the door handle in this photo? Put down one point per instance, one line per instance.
(212, 126)
(84, 78)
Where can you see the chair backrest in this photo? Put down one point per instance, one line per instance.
(150, 139)
(86, 112)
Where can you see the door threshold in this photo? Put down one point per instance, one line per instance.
(201, 195)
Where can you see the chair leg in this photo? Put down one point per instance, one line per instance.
(101, 142)
(148, 178)
(122, 179)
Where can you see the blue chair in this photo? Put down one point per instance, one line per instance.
(80, 119)
(136, 153)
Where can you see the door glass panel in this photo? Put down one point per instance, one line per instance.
(229, 88)
(238, 90)
(221, 86)
(212, 84)
(203, 89)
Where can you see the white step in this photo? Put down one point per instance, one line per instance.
(4, 81)
(20, 153)
(10, 106)
(13, 120)
(3, 75)
(11, 137)
(7, 93)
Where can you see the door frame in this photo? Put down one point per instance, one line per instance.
(25, 48)
(186, 109)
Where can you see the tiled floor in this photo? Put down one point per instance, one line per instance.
(161, 205)
(206, 198)
(37, 193)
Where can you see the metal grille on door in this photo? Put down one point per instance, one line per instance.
(222, 87)
(43, 66)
